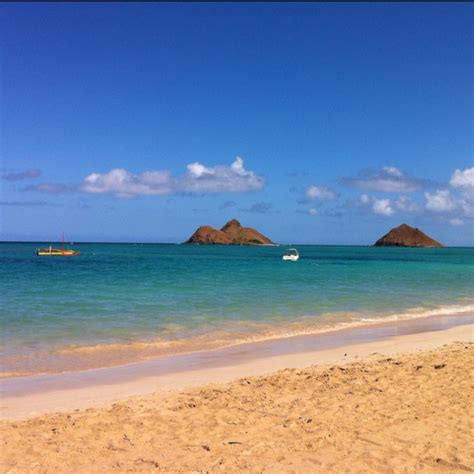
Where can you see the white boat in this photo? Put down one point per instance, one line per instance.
(292, 255)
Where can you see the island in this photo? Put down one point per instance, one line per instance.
(233, 233)
(406, 236)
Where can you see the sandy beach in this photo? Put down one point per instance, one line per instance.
(394, 405)
(236, 237)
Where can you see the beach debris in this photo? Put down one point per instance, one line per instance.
(234, 442)
(205, 447)
(439, 366)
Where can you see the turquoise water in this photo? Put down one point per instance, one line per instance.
(120, 302)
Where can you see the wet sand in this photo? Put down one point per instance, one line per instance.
(256, 339)
(396, 404)
(33, 395)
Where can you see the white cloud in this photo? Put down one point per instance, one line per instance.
(391, 170)
(462, 179)
(440, 201)
(467, 207)
(388, 179)
(122, 183)
(405, 204)
(197, 179)
(197, 170)
(321, 193)
(234, 178)
(238, 167)
(457, 201)
(382, 207)
(456, 221)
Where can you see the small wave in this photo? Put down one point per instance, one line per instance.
(82, 357)
(419, 312)
(116, 346)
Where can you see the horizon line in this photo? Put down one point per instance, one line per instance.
(216, 245)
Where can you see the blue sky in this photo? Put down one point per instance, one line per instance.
(315, 123)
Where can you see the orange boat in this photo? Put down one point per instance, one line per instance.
(57, 252)
(62, 252)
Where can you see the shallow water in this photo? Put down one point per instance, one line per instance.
(120, 302)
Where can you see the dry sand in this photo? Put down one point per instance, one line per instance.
(398, 413)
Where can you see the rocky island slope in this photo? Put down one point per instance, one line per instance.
(231, 234)
(406, 236)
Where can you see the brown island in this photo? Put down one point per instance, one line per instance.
(231, 234)
(406, 236)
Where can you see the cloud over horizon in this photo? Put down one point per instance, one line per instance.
(458, 201)
(381, 207)
(321, 193)
(388, 179)
(454, 202)
(463, 179)
(198, 179)
(440, 201)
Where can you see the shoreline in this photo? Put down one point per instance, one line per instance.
(30, 396)
(109, 355)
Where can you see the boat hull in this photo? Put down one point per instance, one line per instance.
(57, 253)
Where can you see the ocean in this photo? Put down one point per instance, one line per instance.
(117, 303)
